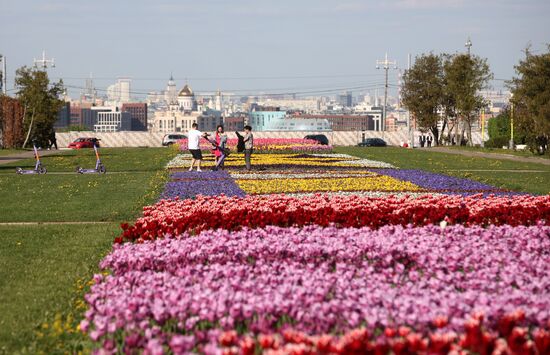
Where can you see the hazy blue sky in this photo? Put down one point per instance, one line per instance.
(277, 46)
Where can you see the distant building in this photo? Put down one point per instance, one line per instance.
(346, 100)
(305, 104)
(265, 118)
(273, 119)
(138, 114)
(182, 114)
(339, 122)
(113, 122)
(63, 116)
(186, 99)
(120, 91)
(85, 115)
(234, 123)
(171, 92)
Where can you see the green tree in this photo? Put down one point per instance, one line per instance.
(531, 99)
(465, 77)
(41, 102)
(422, 92)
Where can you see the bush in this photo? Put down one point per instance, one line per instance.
(497, 142)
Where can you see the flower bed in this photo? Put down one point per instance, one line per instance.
(209, 269)
(285, 161)
(192, 183)
(269, 145)
(442, 183)
(320, 280)
(232, 213)
(286, 185)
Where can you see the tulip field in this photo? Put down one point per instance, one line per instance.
(322, 253)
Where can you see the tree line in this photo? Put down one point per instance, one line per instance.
(443, 92)
(31, 115)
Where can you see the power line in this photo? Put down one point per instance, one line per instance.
(258, 92)
(230, 77)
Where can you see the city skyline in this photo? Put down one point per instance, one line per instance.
(258, 46)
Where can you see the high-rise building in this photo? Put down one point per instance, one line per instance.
(63, 116)
(346, 100)
(120, 91)
(138, 114)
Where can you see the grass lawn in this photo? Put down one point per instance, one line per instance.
(5, 152)
(115, 159)
(41, 264)
(513, 175)
(39, 267)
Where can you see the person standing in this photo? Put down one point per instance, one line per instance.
(248, 145)
(219, 148)
(193, 144)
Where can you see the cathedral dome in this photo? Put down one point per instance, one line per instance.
(186, 91)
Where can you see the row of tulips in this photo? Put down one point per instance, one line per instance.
(321, 184)
(173, 217)
(282, 162)
(324, 280)
(509, 339)
(269, 145)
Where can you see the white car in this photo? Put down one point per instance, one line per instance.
(172, 138)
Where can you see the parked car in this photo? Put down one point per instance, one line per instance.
(372, 142)
(321, 138)
(83, 142)
(172, 138)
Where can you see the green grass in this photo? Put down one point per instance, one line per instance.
(115, 196)
(5, 152)
(115, 160)
(41, 264)
(501, 173)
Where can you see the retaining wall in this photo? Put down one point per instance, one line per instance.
(147, 139)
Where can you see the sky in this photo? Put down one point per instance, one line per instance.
(311, 47)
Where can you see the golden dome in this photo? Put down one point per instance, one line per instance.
(186, 91)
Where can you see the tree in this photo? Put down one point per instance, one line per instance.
(499, 131)
(531, 99)
(422, 92)
(40, 100)
(465, 77)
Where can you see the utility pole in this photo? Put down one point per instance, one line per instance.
(511, 143)
(409, 128)
(468, 45)
(385, 64)
(3, 83)
(43, 62)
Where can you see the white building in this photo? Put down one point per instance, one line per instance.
(182, 114)
(307, 105)
(113, 122)
(120, 91)
(186, 99)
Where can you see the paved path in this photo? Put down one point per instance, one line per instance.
(469, 153)
(52, 223)
(7, 159)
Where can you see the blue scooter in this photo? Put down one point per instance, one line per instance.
(38, 167)
(99, 167)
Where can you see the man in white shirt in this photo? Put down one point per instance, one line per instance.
(193, 143)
